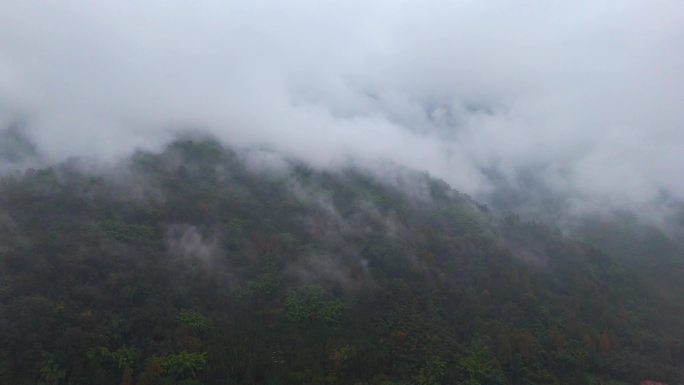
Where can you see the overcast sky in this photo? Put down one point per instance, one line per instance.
(589, 94)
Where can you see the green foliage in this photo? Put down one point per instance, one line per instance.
(127, 232)
(479, 366)
(121, 358)
(433, 372)
(183, 365)
(332, 311)
(263, 285)
(51, 373)
(342, 355)
(193, 320)
(310, 304)
(463, 218)
(305, 304)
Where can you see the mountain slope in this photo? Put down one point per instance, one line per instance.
(201, 265)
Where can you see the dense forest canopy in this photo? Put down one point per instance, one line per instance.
(205, 265)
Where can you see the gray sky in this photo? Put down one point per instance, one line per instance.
(588, 93)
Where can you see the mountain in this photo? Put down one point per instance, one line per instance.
(15, 147)
(206, 265)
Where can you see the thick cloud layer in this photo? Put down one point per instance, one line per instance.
(585, 95)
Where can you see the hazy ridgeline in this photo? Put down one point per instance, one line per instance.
(205, 265)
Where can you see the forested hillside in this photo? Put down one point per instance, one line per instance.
(203, 265)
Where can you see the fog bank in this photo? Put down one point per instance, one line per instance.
(584, 98)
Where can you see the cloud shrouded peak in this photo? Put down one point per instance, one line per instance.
(588, 95)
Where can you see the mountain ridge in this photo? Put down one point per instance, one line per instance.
(194, 266)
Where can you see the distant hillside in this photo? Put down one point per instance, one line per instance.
(203, 265)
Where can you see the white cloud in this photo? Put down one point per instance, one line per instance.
(589, 92)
